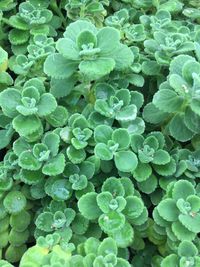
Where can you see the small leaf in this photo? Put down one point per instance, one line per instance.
(45, 221)
(14, 202)
(111, 222)
(125, 161)
(54, 166)
(103, 152)
(88, 207)
(167, 210)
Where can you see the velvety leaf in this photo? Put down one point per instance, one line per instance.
(167, 100)
(46, 105)
(56, 66)
(95, 69)
(9, 99)
(26, 125)
(167, 210)
(125, 161)
(88, 207)
(111, 222)
(14, 202)
(121, 136)
(55, 165)
(179, 130)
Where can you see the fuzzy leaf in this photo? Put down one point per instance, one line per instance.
(56, 66)
(167, 210)
(125, 161)
(88, 207)
(14, 202)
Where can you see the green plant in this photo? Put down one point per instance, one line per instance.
(99, 133)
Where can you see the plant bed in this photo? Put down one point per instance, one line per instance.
(99, 133)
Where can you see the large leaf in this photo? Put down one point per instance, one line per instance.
(97, 68)
(26, 125)
(167, 100)
(58, 67)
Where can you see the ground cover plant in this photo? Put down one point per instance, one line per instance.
(100, 133)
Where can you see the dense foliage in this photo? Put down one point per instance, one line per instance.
(100, 133)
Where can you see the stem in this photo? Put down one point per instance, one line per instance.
(56, 9)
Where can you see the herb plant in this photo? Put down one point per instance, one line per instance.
(99, 133)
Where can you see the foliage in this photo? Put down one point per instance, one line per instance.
(99, 133)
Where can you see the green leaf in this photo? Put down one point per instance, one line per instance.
(142, 172)
(137, 141)
(161, 157)
(29, 162)
(86, 38)
(20, 221)
(154, 115)
(194, 203)
(55, 165)
(181, 232)
(122, 138)
(150, 67)
(167, 169)
(148, 186)
(167, 100)
(80, 224)
(76, 155)
(125, 161)
(134, 207)
(102, 134)
(127, 113)
(60, 88)
(187, 249)
(59, 189)
(58, 117)
(75, 28)
(111, 222)
(31, 177)
(95, 69)
(167, 210)
(195, 106)
(67, 48)
(103, 152)
(124, 237)
(191, 222)
(26, 125)
(52, 141)
(123, 57)
(103, 35)
(169, 261)
(45, 221)
(46, 105)
(14, 202)
(182, 189)
(88, 207)
(103, 201)
(114, 186)
(9, 99)
(190, 68)
(192, 120)
(58, 67)
(179, 130)
(107, 246)
(18, 37)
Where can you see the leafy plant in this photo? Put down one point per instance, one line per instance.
(99, 133)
